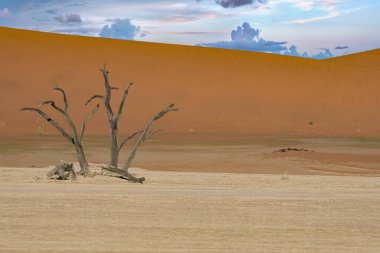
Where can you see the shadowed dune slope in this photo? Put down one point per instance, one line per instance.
(221, 91)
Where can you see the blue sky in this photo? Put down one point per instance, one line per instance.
(321, 28)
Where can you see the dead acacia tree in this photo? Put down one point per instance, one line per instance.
(74, 138)
(113, 119)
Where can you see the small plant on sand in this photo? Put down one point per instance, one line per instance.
(285, 175)
(113, 118)
(41, 129)
(74, 137)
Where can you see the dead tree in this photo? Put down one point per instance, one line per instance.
(74, 138)
(144, 136)
(113, 119)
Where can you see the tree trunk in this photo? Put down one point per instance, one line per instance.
(114, 145)
(82, 160)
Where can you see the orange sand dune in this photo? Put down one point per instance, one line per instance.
(221, 91)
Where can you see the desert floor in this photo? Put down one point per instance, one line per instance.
(294, 202)
(208, 153)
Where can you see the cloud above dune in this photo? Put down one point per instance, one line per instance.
(324, 54)
(341, 47)
(327, 16)
(237, 3)
(5, 13)
(247, 38)
(245, 32)
(293, 51)
(69, 18)
(120, 29)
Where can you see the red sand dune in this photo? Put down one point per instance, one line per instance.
(221, 91)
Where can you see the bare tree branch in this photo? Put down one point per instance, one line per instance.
(123, 100)
(75, 139)
(128, 138)
(146, 133)
(125, 174)
(93, 97)
(52, 104)
(89, 117)
(51, 121)
(165, 111)
(151, 133)
(64, 97)
(64, 113)
(107, 98)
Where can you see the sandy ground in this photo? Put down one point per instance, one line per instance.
(205, 153)
(189, 212)
(327, 200)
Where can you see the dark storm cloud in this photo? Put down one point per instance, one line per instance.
(341, 47)
(52, 11)
(237, 3)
